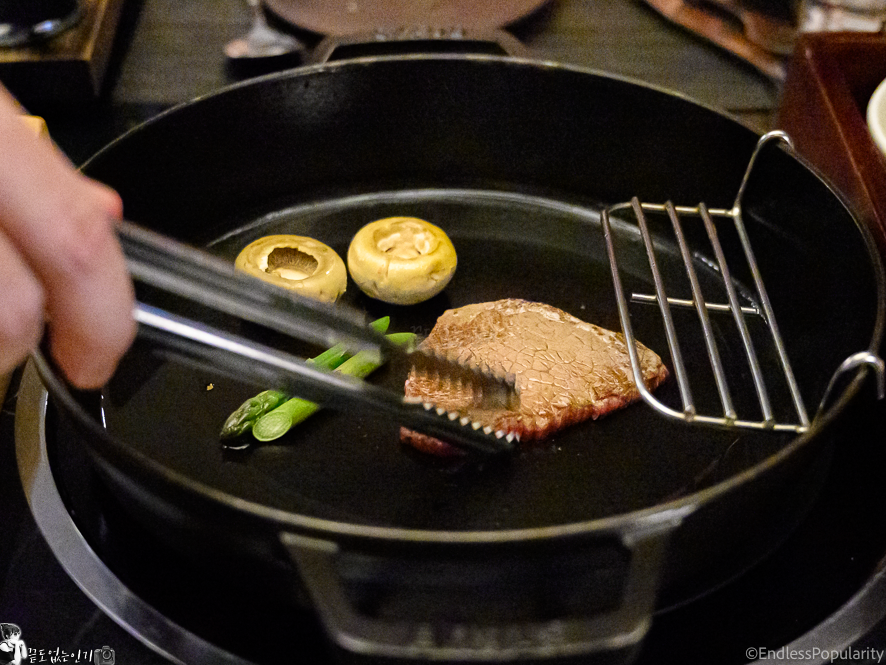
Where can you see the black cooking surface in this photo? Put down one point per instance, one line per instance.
(617, 464)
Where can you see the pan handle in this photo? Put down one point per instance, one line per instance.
(588, 595)
(417, 40)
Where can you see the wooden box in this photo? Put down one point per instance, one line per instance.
(69, 68)
(830, 79)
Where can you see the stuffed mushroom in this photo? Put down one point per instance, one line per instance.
(401, 260)
(298, 263)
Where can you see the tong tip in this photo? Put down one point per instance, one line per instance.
(489, 390)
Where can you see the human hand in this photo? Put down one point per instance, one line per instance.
(59, 259)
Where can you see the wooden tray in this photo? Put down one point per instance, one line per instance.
(68, 68)
(829, 82)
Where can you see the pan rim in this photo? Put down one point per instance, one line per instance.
(365, 61)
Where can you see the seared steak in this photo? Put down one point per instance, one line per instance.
(566, 370)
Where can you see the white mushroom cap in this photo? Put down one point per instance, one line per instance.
(401, 260)
(298, 263)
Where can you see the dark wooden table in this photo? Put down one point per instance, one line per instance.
(171, 51)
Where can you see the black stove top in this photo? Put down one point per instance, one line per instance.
(820, 595)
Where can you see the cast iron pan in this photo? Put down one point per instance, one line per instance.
(514, 159)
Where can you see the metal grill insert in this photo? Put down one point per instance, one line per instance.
(709, 217)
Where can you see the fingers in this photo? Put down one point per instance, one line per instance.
(21, 304)
(89, 297)
(58, 228)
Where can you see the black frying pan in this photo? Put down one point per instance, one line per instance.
(571, 543)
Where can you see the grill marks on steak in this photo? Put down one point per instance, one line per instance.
(566, 370)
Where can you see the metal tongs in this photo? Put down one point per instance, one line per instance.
(207, 280)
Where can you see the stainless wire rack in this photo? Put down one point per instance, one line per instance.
(730, 418)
